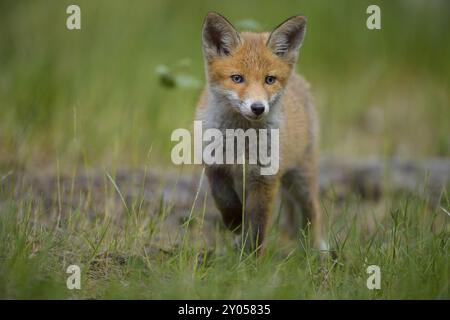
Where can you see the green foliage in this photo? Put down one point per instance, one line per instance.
(106, 93)
(124, 261)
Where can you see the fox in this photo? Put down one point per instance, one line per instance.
(251, 83)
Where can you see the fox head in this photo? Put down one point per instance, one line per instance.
(248, 71)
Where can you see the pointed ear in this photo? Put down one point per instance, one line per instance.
(219, 36)
(286, 39)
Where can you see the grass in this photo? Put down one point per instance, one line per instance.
(109, 96)
(119, 256)
(98, 97)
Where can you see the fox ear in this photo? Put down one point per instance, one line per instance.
(286, 39)
(219, 36)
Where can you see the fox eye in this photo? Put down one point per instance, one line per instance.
(270, 79)
(237, 78)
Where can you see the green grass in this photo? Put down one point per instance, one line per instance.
(109, 96)
(93, 97)
(119, 256)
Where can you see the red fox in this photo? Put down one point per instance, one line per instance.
(251, 83)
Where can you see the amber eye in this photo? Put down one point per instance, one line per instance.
(237, 78)
(270, 79)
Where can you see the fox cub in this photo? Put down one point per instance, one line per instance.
(251, 83)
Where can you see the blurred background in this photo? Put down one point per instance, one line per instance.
(111, 93)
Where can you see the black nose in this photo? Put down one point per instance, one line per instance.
(257, 108)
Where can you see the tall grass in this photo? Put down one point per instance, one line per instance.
(93, 96)
(122, 260)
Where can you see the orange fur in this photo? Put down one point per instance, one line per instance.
(255, 56)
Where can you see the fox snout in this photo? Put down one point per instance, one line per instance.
(257, 108)
(253, 109)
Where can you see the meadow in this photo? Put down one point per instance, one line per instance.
(85, 172)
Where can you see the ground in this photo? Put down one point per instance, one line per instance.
(143, 234)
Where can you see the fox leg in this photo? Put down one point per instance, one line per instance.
(290, 218)
(259, 204)
(225, 197)
(302, 183)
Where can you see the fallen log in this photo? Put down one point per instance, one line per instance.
(372, 178)
(338, 177)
